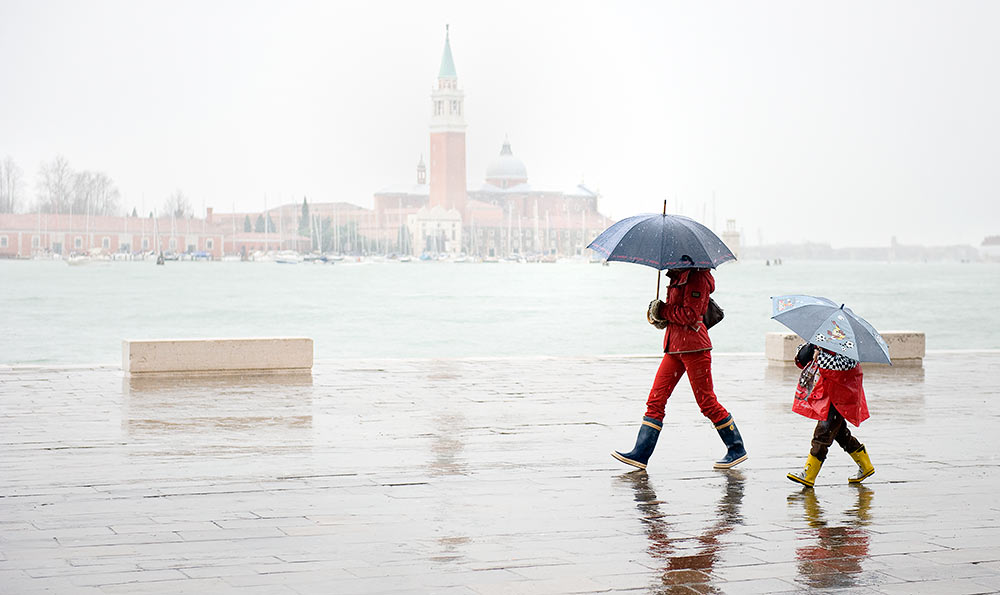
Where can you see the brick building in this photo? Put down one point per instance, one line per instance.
(502, 215)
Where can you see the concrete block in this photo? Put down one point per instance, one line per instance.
(218, 356)
(906, 348)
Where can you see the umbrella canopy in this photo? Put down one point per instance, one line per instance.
(661, 242)
(822, 322)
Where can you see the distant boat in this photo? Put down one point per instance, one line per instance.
(78, 260)
(287, 257)
(405, 259)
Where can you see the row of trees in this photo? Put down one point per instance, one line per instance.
(11, 188)
(60, 189)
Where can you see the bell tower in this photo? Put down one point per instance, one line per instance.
(447, 183)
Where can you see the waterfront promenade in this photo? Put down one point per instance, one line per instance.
(485, 476)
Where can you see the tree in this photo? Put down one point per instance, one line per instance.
(177, 205)
(55, 186)
(10, 185)
(94, 193)
(135, 213)
(304, 223)
(259, 226)
(246, 224)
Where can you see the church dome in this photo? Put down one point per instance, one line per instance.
(506, 170)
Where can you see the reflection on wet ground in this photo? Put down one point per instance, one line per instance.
(686, 560)
(830, 555)
(217, 412)
(483, 477)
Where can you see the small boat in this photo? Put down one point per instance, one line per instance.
(287, 257)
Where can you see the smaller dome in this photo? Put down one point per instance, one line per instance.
(506, 167)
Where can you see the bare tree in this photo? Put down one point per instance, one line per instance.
(10, 185)
(55, 186)
(177, 205)
(95, 193)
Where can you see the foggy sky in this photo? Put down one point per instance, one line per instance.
(845, 123)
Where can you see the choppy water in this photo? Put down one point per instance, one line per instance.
(57, 314)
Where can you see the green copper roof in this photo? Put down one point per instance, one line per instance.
(447, 63)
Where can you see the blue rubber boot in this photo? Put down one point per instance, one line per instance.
(649, 431)
(730, 435)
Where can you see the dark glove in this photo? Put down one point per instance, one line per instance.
(805, 354)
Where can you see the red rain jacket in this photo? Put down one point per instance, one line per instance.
(843, 389)
(687, 301)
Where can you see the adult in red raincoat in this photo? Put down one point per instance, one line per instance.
(687, 348)
(831, 391)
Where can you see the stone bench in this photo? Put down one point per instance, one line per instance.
(906, 348)
(264, 355)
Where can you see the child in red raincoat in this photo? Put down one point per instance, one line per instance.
(830, 391)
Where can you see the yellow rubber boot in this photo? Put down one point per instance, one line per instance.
(865, 467)
(807, 476)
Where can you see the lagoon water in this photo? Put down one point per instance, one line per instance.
(54, 314)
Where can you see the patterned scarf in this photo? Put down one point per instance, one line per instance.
(835, 361)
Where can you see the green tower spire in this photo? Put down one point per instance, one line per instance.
(447, 63)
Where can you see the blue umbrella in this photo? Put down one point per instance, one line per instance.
(662, 242)
(822, 322)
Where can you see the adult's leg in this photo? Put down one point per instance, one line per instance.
(667, 376)
(699, 370)
(670, 371)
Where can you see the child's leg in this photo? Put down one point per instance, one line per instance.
(825, 433)
(846, 440)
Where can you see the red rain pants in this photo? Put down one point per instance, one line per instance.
(698, 366)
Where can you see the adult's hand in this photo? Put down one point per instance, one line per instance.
(653, 314)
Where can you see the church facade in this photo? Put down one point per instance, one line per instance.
(502, 216)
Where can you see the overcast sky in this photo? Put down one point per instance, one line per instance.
(845, 122)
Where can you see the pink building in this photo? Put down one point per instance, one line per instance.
(36, 234)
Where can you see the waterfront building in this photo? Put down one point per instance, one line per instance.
(38, 234)
(35, 235)
(501, 216)
(441, 213)
(732, 237)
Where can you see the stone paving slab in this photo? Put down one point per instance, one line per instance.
(488, 476)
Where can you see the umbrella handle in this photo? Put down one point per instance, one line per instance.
(659, 272)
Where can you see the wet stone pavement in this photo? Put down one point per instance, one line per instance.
(488, 476)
